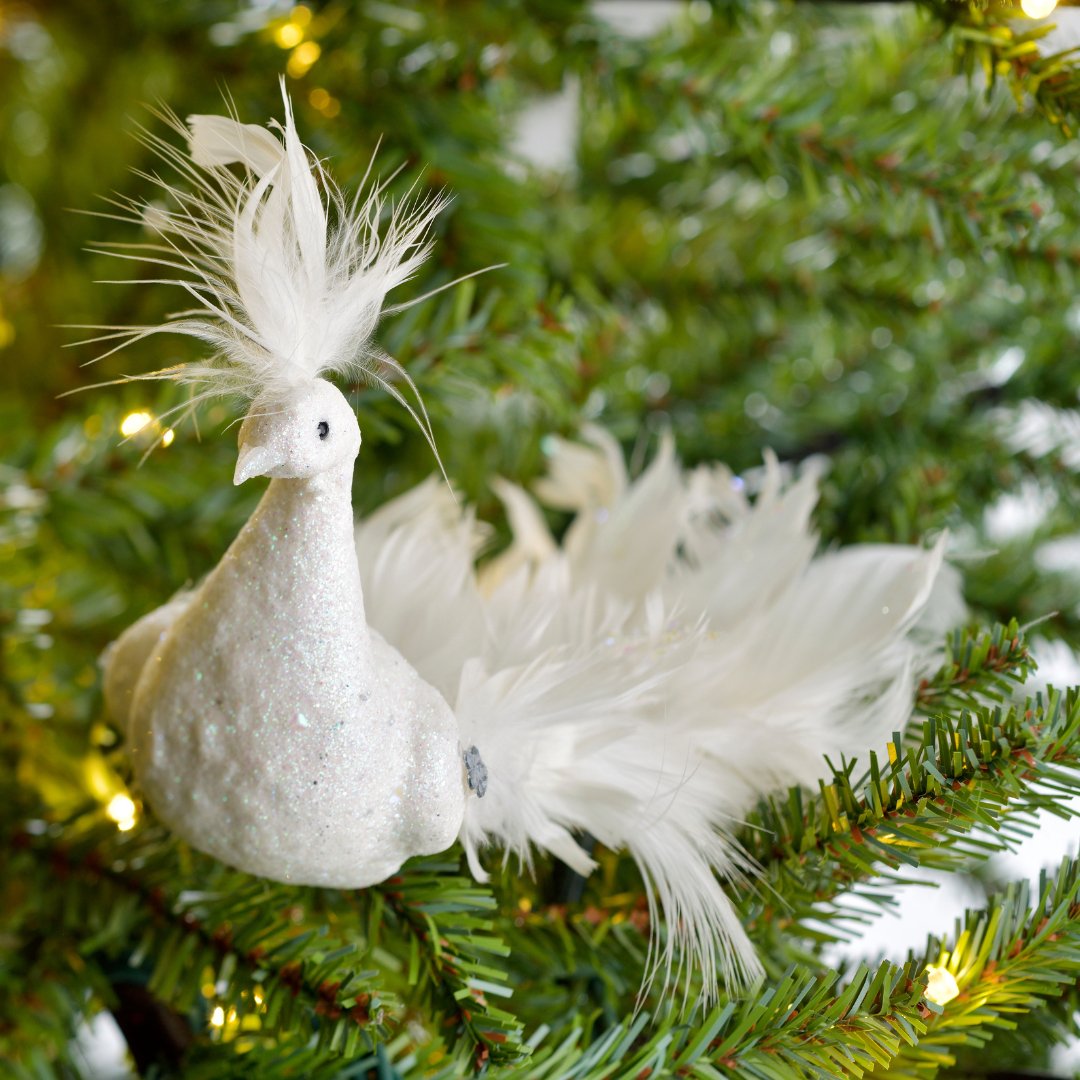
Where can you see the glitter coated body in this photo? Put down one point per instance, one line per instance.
(271, 728)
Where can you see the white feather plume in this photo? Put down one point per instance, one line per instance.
(681, 653)
(288, 278)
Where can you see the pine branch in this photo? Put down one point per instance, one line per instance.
(877, 171)
(45, 987)
(588, 956)
(119, 896)
(1013, 957)
(961, 788)
(841, 141)
(1007, 959)
(978, 665)
(988, 40)
(992, 39)
(804, 1026)
(1052, 252)
(1026, 1049)
(449, 921)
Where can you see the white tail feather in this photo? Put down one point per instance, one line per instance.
(679, 655)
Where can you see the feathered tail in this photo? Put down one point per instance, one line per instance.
(678, 655)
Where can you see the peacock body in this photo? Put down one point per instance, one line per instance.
(329, 702)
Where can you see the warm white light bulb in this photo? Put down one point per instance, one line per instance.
(1038, 9)
(289, 34)
(134, 422)
(167, 437)
(122, 810)
(941, 986)
(217, 1017)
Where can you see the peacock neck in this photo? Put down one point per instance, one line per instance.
(301, 537)
(330, 492)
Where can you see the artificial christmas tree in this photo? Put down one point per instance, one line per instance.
(795, 227)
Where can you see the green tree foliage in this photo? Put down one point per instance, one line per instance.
(831, 230)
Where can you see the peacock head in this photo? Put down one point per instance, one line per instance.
(305, 431)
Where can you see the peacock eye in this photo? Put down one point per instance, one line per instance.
(324, 429)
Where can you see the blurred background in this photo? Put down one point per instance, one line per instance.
(796, 226)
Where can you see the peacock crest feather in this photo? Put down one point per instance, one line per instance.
(288, 276)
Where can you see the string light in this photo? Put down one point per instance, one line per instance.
(122, 810)
(325, 102)
(220, 1018)
(288, 35)
(1038, 9)
(144, 422)
(941, 986)
(303, 56)
(134, 422)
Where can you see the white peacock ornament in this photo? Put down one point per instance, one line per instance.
(333, 699)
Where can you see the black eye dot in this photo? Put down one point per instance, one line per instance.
(324, 429)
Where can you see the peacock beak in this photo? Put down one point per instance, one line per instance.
(254, 461)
